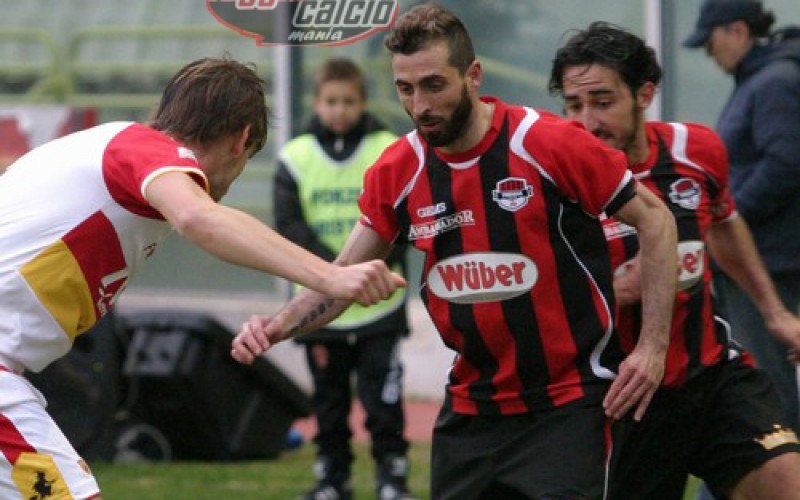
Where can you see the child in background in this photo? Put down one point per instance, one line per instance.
(317, 185)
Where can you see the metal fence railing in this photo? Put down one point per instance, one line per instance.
(126, 66)
(121, 70)
(31, 67)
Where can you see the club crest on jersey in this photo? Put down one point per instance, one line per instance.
(482, 277)
(512, 193)
(685, 193)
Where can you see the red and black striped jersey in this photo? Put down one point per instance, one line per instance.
(688, 169)
(517, 277)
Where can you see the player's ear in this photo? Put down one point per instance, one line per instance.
(474, 75)
(645, 95)
(239, 146)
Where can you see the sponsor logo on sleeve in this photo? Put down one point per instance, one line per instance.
(614, 229)
(482, 277)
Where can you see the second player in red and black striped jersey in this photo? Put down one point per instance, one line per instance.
(688, 169)
(517, 276)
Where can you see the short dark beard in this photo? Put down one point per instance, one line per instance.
(637, 121)
(454, 127)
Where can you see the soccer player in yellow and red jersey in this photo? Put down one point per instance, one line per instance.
(80, 215)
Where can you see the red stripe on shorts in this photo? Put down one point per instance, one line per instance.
(12, 443)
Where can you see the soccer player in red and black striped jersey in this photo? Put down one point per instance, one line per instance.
(504, 201)
(717, 417)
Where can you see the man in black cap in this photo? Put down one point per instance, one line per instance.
(720, 13)
(760, 125)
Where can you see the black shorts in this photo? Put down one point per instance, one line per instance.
(561, 454)
(725, 423)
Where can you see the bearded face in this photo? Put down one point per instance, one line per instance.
(441, 130)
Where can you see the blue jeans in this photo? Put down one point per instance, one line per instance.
(751, 332)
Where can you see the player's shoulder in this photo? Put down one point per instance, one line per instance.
(101, 135)
(141, 138)
(549, 124)
(704, 137)
(141, 145)
(533, 122)
(695, 144)
(401, 151)
(688, 133)
(399, 162)
(135, 132)
(551, 132)
(519, 114)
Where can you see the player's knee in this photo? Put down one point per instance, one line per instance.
(778, 478)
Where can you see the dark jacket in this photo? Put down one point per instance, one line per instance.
(760, 126)
(290, 223)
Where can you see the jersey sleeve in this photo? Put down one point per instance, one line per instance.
(378, 199)
(723, 207)
(705, 148)
(136, 157)
(582, 167)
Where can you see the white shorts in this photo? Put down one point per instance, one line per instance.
(36, 460)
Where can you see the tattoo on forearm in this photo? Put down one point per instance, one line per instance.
(321, 309)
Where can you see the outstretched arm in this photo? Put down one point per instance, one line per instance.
(241, 239)
(310, 310)
(640, 374)
(731, 245)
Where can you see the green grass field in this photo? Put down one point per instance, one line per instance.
(280, 479)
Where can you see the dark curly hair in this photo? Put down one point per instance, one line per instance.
(610, 46)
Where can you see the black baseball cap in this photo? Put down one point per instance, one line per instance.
(715, 13)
